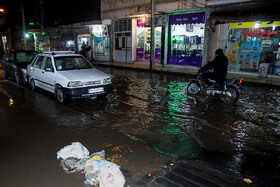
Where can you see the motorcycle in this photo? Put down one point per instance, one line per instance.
(228, 92)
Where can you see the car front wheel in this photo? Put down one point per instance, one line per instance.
(60, 95)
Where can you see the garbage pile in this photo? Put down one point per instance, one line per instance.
(97, 170)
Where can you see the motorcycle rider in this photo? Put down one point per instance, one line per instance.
(219, 65)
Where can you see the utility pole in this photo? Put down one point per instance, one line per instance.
(152, 52)
(23, 23)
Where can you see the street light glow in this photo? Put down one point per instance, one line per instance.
(2, 10)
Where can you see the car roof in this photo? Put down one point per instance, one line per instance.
(61, 53)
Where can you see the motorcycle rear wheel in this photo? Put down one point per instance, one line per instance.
(230, 95)
(193, 88)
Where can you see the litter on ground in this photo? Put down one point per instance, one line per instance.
(97, 170)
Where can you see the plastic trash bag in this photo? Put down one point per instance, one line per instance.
(73, 157)
(97, 170)
(104, 173)
(75, 150)
(92, 171)
(111, 175)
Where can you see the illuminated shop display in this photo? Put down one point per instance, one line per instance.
(186, 37)
(143, 42)
(101, 42)
(68, 45)
(252, 43)
(83, 38)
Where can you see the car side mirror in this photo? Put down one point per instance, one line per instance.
(49, 70)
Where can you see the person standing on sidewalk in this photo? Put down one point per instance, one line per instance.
(83, 50)
(88, 48)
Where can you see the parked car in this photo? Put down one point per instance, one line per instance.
(15, 62)
(68, 76)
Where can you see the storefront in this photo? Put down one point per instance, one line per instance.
(252, 43)
(83, 38)
(143, 42)
(185, 39)
(100, 42)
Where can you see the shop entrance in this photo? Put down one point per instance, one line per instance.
(143, 42)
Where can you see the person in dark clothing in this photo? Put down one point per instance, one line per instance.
(83, 50)
(219, 65)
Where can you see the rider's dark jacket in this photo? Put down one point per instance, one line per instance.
(220, 65)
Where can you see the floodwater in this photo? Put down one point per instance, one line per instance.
(147, 120)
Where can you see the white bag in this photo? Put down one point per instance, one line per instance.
(76, 150)
(105, 173)
(111, 175)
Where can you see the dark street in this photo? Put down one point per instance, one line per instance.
(147, 121)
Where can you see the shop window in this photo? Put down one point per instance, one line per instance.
(252, 43)
(123, 25)
(186, 37)
(101, 46)
(186, 41)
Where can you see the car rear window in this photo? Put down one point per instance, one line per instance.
(71, 63)
(23, 57)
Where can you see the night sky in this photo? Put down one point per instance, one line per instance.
(55, 12)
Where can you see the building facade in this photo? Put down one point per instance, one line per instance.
(179, 31)
(187, 33)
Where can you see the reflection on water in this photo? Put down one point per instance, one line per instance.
(156, 108)
(11, 102)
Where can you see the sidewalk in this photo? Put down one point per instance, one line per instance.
(190, 71)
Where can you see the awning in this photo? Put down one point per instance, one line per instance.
(187, 19)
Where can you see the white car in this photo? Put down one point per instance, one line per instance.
(67, 75)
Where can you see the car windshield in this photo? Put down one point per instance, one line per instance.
(25, 56)
(71, 63)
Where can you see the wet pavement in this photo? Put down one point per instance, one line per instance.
(148, 120)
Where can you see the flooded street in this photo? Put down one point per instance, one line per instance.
(147, 120)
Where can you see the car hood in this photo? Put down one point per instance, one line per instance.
(84, 74)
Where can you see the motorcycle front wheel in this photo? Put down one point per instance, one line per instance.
(193, 88)
(230, 95)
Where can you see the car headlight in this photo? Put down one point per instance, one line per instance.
(107, 81)
(75, 84)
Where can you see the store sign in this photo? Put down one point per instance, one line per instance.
(187, 19)
(263, 32)
(99, 30)
(141, 22)
(253, 24)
